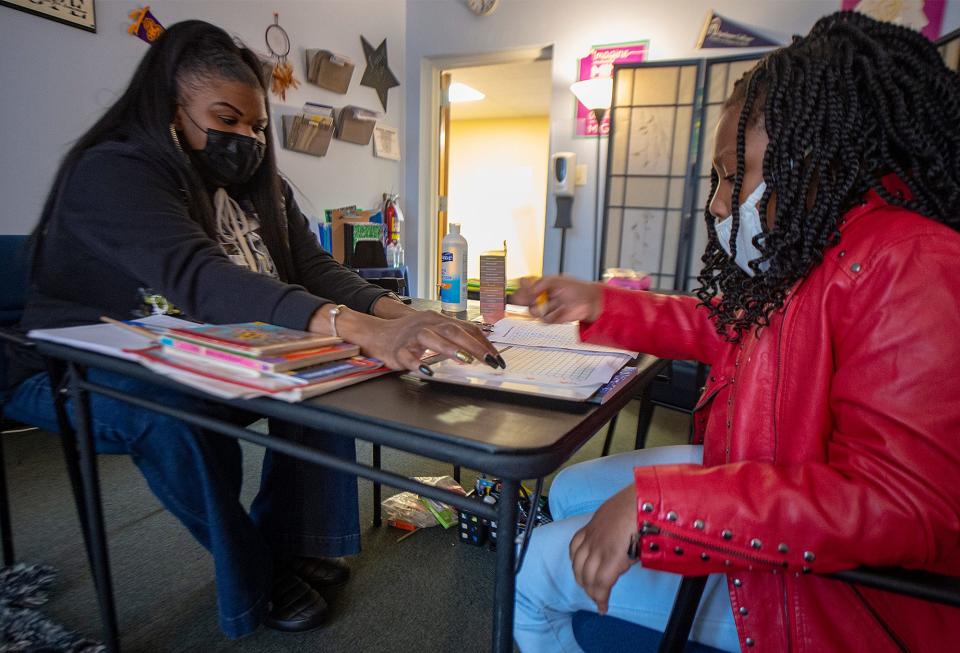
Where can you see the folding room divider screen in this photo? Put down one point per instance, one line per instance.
(658, 165)
(949, 47)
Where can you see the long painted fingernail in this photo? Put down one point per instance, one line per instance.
(502, 362)
(425, 369)
(491, 361)
(463, 356)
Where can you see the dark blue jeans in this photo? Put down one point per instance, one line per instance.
(301, 509)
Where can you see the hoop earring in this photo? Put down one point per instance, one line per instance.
(176, 139)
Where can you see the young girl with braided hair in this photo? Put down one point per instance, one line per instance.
(828, 312)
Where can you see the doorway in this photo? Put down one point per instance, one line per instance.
(490, 158)
(499, 151)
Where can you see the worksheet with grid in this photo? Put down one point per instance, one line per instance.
(533, 333)
(540, 366)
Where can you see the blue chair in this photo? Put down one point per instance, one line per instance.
(14, 279)
(597, 634)
(13, 290)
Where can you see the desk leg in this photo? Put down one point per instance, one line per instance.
(505, 580)
(608, 440)
(377, 520)
(57, 372)
(94, 512)
(644, 418)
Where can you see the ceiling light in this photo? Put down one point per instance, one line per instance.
(459, 92)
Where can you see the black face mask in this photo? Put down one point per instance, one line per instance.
(227, 159)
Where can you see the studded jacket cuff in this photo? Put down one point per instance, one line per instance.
(675, 536)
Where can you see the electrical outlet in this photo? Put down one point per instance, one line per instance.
(581, 175)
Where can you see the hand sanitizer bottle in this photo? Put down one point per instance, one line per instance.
(392, 255)
(453, 271)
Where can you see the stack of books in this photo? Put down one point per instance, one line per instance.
(258, 359)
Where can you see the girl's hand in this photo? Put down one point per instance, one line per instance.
(399, 343)
(560, 299)
(599, 550)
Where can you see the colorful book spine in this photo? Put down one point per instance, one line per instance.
(614, 385)
(278, 363)
(265, 385)
(218, 354)
(252, 338)
(334, 368)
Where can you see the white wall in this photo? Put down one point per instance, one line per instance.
(55, 80)
(442, 28)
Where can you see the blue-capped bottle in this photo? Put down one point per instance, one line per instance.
(453, 271)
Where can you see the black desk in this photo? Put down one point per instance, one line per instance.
(513, 438)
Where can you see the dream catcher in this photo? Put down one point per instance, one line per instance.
(281, 77)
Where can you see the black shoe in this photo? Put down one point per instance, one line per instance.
(295, 606)
(320, 573)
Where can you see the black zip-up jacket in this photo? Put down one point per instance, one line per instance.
(121, 225)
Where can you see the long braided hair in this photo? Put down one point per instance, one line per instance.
(853, 101)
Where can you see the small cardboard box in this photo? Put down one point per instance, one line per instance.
(337, 220)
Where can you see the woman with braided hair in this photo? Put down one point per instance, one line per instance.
(828, 312)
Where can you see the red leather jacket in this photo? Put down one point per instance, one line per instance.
(831, 440)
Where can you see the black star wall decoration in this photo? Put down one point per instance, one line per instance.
(377, 74)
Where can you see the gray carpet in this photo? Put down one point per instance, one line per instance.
(426, 593)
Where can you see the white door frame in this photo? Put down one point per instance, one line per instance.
(429, 130)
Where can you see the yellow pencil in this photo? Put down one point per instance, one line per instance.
(542, 299)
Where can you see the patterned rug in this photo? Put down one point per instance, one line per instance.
(23, 588)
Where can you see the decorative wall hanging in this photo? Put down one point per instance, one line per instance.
(279, 45)
(145, 25)
(377, 74)
(720, 32)
(386, 142)
(599, 64)
(925, 16)
(78, 13)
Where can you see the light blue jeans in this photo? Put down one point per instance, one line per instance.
(548, 594)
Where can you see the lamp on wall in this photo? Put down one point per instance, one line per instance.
(596, 95)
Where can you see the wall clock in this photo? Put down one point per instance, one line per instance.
(482, 7)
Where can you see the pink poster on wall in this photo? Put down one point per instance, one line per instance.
(925, 16)
(599, 63)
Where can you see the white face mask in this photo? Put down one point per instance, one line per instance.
(750, 226)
